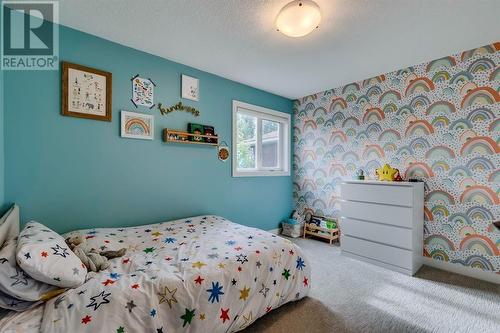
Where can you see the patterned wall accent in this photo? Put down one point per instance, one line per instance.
(438, 121)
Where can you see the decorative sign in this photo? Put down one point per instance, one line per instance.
(178, 107)
(86, 92)
(137, 125)
(143, 92)
(223, 153)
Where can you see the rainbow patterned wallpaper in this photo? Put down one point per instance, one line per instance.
(438, 121)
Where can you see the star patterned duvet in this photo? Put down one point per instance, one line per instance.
(203, 274)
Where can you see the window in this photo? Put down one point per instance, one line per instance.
(261, 141)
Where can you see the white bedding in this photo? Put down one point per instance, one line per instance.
(203, 274)
(28, 321)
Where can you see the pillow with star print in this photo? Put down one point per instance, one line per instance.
(8, 302)
(44, 255)
(14, 281)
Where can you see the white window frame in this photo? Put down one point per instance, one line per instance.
(284, 139)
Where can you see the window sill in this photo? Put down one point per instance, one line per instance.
(237, 174)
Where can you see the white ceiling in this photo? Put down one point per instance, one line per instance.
(236, 39)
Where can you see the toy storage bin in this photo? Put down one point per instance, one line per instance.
(291, 228)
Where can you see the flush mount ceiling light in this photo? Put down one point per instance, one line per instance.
(298, 18)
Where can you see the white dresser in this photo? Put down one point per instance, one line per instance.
(382, 223)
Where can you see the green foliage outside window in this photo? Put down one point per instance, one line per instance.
(246, 126)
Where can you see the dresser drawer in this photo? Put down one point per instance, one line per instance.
(395, 215)
(382, 233)
(386, 194)
(384, 253)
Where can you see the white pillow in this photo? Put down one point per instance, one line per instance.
(10, 303)
(44, 255)
(14, 281)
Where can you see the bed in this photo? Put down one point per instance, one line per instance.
(201, 274)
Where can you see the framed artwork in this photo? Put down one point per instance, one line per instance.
(86, 92)
(190, 88)
(143, 91)
(137, 125)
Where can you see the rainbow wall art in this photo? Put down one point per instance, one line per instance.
(137, 125)
(438, 121)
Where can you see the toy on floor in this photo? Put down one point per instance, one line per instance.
(297, 217)
(386, 173)
(292, 227)
(92, 259)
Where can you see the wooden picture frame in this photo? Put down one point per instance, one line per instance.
(86, 92)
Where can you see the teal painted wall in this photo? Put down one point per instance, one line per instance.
(71, 173)
(2, 156)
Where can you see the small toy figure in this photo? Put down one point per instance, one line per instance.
(297, 217)
(95, 260)
(386, 173)
(397, 176)
(360, 175)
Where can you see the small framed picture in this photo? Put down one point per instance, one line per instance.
(190, 88)
(86, 92)
(137, 125)
(143, 92)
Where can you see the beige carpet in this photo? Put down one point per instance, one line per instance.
(351, 296)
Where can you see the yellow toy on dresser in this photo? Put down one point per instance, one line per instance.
(388, 173)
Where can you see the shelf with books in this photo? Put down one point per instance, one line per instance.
(170, 135)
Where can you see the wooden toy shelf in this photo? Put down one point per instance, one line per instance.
(312, 229)
(169, 134)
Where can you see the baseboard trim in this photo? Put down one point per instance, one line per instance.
(463, 270)
(275, 231)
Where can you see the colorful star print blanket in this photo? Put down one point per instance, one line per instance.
(203, 274)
